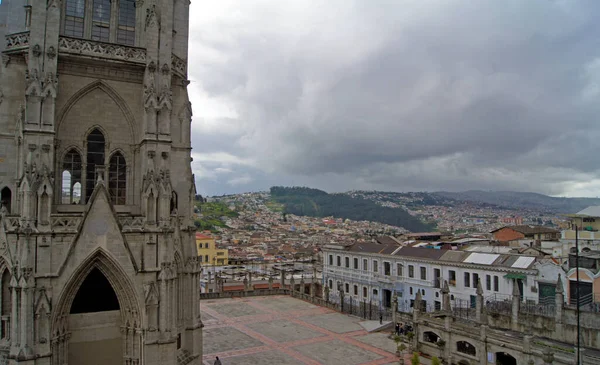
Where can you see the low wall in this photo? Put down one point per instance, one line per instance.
(241, 293)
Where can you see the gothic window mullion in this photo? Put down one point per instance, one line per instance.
(88, 19)
(114, 17)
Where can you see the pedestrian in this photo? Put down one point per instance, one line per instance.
(397, 329)
(380, 318)
(217, 361)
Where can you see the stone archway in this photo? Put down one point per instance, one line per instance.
(503, 358)
(97, 318)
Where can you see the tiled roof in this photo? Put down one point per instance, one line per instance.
(529, 229)
(371, 247)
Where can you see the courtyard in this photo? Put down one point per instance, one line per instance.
(282, 330)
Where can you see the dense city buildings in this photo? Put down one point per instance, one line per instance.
(98, 263)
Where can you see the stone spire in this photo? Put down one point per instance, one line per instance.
(559, 285)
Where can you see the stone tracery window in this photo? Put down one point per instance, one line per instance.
(100, 20)
(71, 178)
(117, 179)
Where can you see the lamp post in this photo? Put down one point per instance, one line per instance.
(578, 291)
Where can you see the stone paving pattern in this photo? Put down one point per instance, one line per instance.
(281, 330)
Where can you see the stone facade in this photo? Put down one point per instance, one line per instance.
(98, 260)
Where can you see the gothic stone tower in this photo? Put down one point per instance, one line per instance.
(97, 253)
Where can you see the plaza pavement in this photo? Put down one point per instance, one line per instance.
(281, 330)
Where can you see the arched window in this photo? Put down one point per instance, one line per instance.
(430, 337)
(6, 305)
(71, 176)
(95, 157)
(101, 21)
(5, 198)
(466, 348)
(117, 179)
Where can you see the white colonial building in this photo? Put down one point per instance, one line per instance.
(375, 272)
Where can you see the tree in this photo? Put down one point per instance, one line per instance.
(415, 360)
(435, 361)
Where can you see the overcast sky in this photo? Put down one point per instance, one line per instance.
(396, 95)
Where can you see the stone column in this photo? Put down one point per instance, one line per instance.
(516, 302)
(293, 283)
(479, 302)
(163, 302)
(14, 320)
(394, 308)
(446, 298)
(416, 314)
(559, 303)
(250, 281)
(270, 282)
(282, 280)
(246, 287)
(302, 285)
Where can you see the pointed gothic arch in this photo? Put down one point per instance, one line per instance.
(115, 275)
(111, 92)
(6, 198)
(103, 266)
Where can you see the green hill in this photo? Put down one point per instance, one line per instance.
(212, 214)
(317, 203)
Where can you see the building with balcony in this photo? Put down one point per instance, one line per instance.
(208, 253)
(98, 260)
(375, 272)
(587, 223)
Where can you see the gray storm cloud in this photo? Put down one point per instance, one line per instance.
(388, 95)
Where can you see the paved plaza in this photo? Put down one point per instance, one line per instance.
(281, 330)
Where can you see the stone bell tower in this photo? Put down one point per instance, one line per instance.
(97, 253)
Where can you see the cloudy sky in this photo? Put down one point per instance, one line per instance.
(396, 95)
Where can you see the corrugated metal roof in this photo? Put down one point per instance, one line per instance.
(523, 262)
(426, 253)
(454, 256)
(593, 211)
(481, 258)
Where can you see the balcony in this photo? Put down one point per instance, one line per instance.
(97, 49)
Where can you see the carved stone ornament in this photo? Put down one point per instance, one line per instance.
(17, 41)
(51, 52)
(179, 65)
(165, 69)
(36, 50)
(103, 50)
(151, 18)
(151, 66)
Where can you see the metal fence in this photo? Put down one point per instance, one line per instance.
(589, 303)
